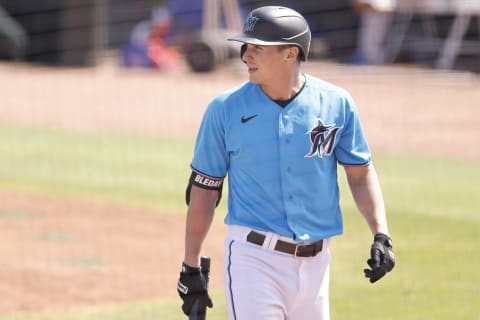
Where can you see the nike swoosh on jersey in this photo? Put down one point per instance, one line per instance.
(245, 120)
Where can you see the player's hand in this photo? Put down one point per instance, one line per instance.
(382, 259)
(192, 287)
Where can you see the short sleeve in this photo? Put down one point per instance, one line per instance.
(210, 155)
(352, 148)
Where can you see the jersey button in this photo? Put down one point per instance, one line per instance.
(287, 141)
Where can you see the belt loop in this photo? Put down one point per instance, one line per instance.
(269, 239)
(296, 250)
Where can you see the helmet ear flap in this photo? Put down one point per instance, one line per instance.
(242, 52)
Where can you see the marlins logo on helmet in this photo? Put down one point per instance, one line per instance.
(250, 23)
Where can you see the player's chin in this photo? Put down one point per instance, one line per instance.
(252, 72)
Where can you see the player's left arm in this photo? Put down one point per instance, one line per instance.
(367, 194)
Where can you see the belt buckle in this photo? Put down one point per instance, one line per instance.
(299, 248)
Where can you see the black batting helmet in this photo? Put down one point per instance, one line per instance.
(274, 25)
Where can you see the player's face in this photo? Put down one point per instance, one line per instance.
(264, 63)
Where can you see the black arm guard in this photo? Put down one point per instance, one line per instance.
(204, 182)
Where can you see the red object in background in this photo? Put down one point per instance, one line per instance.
(147, 47)
(162, 57)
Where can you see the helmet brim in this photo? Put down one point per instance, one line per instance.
(243, 38)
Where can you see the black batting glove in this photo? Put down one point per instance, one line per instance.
(192, 287)
(382, 259)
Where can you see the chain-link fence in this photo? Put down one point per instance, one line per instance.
(76, 32)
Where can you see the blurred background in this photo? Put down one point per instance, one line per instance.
(100, 102)
(158, 33)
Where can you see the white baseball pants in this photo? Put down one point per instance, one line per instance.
(264, 284)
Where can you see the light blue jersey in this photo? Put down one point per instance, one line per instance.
(282, 162)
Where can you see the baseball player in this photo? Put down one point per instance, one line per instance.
(279, 137)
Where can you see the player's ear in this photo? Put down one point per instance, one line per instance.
(292, 52)
(242, 52)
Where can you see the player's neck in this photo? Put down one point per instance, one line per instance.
(286, 88)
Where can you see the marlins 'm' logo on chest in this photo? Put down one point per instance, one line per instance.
(322, 138)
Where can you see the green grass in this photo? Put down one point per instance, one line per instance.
(433, 207)
(149, 172)
(435, 277)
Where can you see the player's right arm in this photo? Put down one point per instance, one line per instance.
(192, 285)
(202, 195)
(199, 219)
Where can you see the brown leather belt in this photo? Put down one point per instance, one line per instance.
(298, 250)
